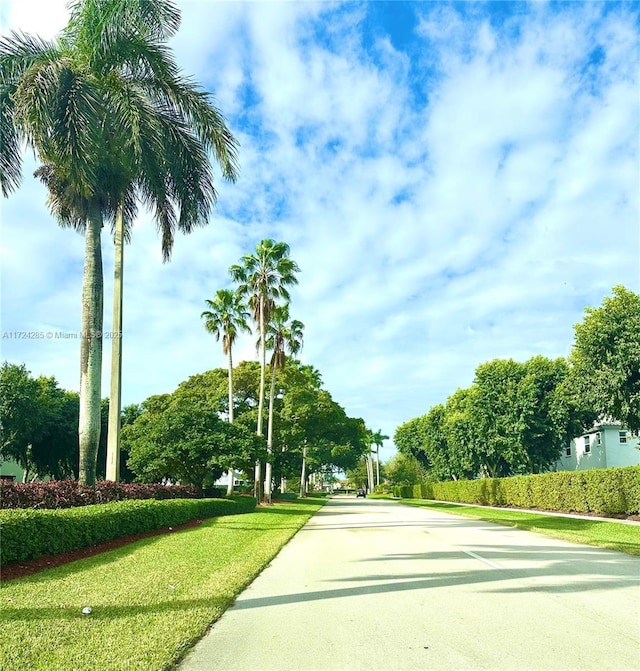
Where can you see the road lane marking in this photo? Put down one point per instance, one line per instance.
(482, 559)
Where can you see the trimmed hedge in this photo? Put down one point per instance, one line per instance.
(27, 534)
(610, 491)
(69, 494)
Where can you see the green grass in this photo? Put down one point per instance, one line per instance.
(151, 600)
(611, 535)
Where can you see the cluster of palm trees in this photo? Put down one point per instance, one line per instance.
(263, 279)
(113, 123)
(375, 439)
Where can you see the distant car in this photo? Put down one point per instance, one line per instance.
(361, 493)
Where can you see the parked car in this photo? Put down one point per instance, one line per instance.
(361, 493)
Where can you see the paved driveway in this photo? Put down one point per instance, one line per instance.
(370, 585)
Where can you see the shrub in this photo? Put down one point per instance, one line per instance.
(608, 490)
(29, 533)
(70, 494)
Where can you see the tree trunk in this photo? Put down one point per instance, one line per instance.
(269, 466)
(115, 395)
(90, 352)
(283, 480)
(370, 470)
(303, 474)
(263, 357)
(377, 464)
(230, 364)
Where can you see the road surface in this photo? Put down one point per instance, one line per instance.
(372, 585)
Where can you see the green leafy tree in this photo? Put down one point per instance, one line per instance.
(226, 318)
(55, 446)
(409, 438)
(435, 443)
(39, 424)
(181, 441)
(264, 278)
(462, 439)
(605, 359)
(493, 405)
(19, 414)
(548, 418)
(405, 469)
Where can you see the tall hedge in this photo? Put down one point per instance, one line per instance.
(605, 490)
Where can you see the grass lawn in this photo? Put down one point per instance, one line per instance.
(151, 600)
(601, 533)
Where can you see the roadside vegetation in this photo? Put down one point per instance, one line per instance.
(153, 598)
(600, 533)
(517, 418)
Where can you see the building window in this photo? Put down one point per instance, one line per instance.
(587, 445)
(598, 439)
(623, 436)
(568, 451)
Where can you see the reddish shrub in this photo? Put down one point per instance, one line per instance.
(69, 494)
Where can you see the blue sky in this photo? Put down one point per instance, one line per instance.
(457, 181)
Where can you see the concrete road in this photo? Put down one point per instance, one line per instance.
(370, 585)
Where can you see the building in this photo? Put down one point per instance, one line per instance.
(606, 445)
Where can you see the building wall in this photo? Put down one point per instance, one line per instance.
(600, 448)
(621, 454)
(11, 471)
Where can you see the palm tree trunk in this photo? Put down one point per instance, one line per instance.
(303, 474)
(370, 471)
(377, 464)
(263, 357)
(115, 395)
(91, 352)
(268, 468)
(230, 365)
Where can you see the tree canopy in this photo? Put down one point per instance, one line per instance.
(605, 360)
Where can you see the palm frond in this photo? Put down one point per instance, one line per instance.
(20, 51)
(10, 154)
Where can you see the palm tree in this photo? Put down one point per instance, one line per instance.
(227, 317)
(282, 337)
(51, 102)
(111, 120)
(377, 439)
(263, 277)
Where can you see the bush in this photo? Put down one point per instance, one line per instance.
(70, 494)
(608, 490)
(28, 533)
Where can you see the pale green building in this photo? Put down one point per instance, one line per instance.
(606, 445)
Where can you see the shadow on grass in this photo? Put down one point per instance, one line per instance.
(112, 612)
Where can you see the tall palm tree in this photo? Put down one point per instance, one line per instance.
(173, 127)
(111, 120)
(377, 439)
(264, 278)
(226, 318)
(50, 101)
(283, 336)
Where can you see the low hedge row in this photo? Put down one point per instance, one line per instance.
(27, 534)
(607, 490)
(69, 494)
